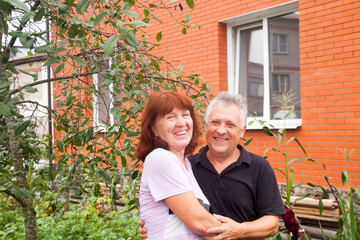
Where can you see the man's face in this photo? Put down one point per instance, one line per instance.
(223, 130)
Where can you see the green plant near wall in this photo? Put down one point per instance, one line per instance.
(286, 100)
(349, 222)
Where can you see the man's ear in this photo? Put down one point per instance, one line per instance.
(243, 132)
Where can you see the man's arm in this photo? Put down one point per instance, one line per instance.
(263, 227)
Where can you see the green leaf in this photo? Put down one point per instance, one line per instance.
(344, 177)
(90, 24)
(159, 36)
(180, 68)
(43, 48)
(248, 141)
(134, 174)
(18, 115)
(39, 14)
(106, 75)
(60, 146)
(22, 127)
(110, 44)
(146, 12)
(59, 68)
(183, 30)
(290, 140)
(136, 23)
(5, 85)
(89, 134)
(190, 3)
(30, 89)
(4, 109)
(80, 61)
(131, 40)
(187, 18)
(26, 17)
(321, 206)
(130, 13)
(19, 4)
(267, 131)
(99, 18)
(155, 17)
(296, 140)
(77, 20)
(82, 6)
(68, 100)
(12, 68)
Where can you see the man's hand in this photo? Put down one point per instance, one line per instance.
(142, 229)
(229, 229)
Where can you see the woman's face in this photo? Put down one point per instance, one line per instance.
(176, 129)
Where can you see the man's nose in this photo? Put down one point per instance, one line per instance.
(221, 129)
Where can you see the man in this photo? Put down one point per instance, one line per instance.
(238, 184)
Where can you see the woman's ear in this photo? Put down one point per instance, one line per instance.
(155, 132)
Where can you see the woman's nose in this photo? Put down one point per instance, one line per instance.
(180, 121)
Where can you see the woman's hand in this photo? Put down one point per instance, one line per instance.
(142, 229)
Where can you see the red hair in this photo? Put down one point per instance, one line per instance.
(159, 104)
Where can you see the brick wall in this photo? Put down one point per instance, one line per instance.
(330, 77)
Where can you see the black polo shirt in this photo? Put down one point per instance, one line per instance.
(245, 191)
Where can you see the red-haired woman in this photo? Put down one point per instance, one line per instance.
(171, 202)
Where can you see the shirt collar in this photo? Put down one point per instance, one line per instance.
(244, 156)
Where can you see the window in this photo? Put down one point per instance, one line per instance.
(279, 43)
(263, 60)
(280, 82)
(104, 98)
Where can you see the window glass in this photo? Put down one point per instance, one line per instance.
(267, 66)
(284, 65)
(252, 68)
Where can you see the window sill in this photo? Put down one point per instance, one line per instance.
(276, 124)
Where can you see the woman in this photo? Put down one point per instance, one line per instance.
(171, 202)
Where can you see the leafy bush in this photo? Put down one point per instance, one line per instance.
(95, 220)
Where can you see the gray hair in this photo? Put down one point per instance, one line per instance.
(227, 99)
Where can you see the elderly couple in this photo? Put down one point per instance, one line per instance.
(223, 192)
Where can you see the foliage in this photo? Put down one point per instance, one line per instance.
(349, 222)
(95, 220)
(102, 62)
(292, 225)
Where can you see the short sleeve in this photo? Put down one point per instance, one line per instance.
(166, 175)
(269, 200)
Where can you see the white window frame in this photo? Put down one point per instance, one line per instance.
(96, 111)
(254, 19)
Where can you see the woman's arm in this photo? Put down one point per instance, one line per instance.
(261, 228)
(188, 209)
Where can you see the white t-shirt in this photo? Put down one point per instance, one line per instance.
(164, 176)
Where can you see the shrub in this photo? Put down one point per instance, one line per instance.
(95, 220)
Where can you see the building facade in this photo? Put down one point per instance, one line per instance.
(307, 51)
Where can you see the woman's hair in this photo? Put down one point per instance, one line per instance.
(227, 99)
(158, 105)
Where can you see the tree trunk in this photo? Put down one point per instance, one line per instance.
(21, 180)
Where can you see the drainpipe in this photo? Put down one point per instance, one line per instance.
(49, 89)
